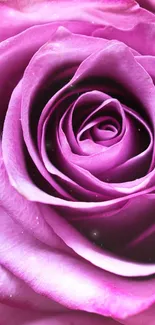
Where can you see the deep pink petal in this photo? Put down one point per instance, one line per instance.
(16, 316)
(116, 224)
(147, 4)
(146, 317)
(55, 274)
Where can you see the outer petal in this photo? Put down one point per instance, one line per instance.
(15, 293)
(148, 62)
(15, 316)
(146, 317)
(132, 36)
(23, 14)
(101, 257)
(16, 52)
(70, 280)
(26, 213)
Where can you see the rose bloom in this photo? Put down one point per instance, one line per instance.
(77, 162)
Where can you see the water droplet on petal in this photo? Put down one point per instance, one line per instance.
(95, 234)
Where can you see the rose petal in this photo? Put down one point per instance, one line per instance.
(16, 316)
(103, 160)
(146, 317)
(117, 224)
(147, 62)
(131, 37)
(16, 52)
(149, 4)
(134, 270)
(55, 274)
(103, 12)
(142, 245)
(16, 293)
(16, 20)
(26, 213)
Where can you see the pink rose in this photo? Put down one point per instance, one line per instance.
(77, 163)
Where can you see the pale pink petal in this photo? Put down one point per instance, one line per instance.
(15, 293)
(18, 15)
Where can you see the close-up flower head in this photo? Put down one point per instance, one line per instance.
(77, 162)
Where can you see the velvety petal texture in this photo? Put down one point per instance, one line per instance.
(149, 4)
(54, 273)
(77, 162)
(15, 316)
